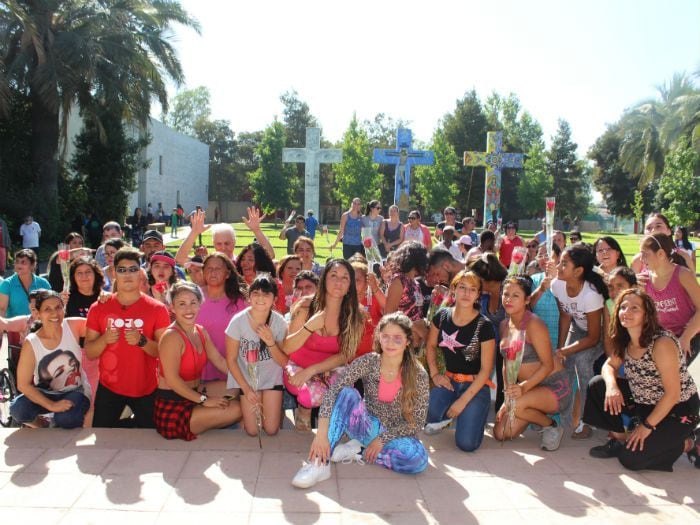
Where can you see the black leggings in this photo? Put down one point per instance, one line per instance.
(663, 446)
(110, 405)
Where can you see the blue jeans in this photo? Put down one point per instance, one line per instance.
(405, 454)
(24, 410)
(469, 431)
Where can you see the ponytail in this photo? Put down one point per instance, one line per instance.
(582, 257)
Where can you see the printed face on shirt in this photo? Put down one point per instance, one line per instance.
(62, 372)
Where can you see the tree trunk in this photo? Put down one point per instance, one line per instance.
(45, 137)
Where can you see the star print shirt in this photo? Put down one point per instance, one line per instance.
(461, 345)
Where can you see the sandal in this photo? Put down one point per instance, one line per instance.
(302, 419)
(582, 432)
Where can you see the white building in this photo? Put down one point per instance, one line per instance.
(177, 172)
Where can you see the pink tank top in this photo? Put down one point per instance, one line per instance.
(673, 305)
(388, 390)
(316, 348)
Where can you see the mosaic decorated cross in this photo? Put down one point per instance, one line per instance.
(493, 159)
(312, 156)
(404, 157)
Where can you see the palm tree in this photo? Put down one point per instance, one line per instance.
(651, 128)
(82, 53)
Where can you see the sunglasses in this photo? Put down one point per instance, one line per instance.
(127, 269)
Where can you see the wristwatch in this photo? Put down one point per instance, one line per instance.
(202, 399)
(142, 341)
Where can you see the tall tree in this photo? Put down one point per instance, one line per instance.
(106, 161)
(609, 176)
(535, 183)
(680, 184)
(435, 184)
(190, 109)
(571, 187)
(270, 183)
(652, 127)
(245, 162)
(72, 52)
(356, 175)
(465, 129)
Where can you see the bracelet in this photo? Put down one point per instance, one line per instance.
(305, 328)
(646, 424)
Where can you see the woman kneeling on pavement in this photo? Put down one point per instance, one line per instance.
(386, 421)
(658, 393)
(543, 388)
(182, 408)
(468, 344)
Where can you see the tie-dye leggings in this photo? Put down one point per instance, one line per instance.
(350, 416)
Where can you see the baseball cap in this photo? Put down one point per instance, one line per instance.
(153, 234)
(465, 239)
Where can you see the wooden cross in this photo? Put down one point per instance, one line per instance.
(493, 159)
(312, 156)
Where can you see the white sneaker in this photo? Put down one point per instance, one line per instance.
(551, 437)
(311, 473)
(347, 452)
(435, 428)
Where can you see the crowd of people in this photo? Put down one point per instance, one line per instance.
(561, 334)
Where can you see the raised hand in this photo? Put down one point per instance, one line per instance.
(254, 218)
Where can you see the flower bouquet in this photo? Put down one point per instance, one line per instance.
(550, 203)
(252, 360)
(512, 351)
(517, 261)
(371, 249)
(63, 259)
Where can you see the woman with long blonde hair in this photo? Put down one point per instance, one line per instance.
(383, 425)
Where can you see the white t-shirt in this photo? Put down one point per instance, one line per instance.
(30, 234)
(588, 300)
(453, 249)
(269, 373)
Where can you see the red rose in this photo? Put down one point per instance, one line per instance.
(367, 242)
(161, 287)
(517, 257)
(252, 356)
(550, 204)
(437, 299)
(63, 255)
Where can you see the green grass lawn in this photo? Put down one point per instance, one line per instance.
(628, 242)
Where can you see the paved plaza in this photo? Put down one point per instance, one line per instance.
(136, 477)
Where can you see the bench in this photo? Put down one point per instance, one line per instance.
(159, 226)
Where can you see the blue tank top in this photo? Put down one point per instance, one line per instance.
(353, 231)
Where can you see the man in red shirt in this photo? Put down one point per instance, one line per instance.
(123, 332)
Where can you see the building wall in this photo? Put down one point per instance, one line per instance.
(178, 171)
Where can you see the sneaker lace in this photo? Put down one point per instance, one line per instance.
(357, 459)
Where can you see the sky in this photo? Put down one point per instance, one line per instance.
(583, 61)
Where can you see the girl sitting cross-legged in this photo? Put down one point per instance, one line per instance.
(385, 422)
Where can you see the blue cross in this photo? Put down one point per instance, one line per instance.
(404, 157)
